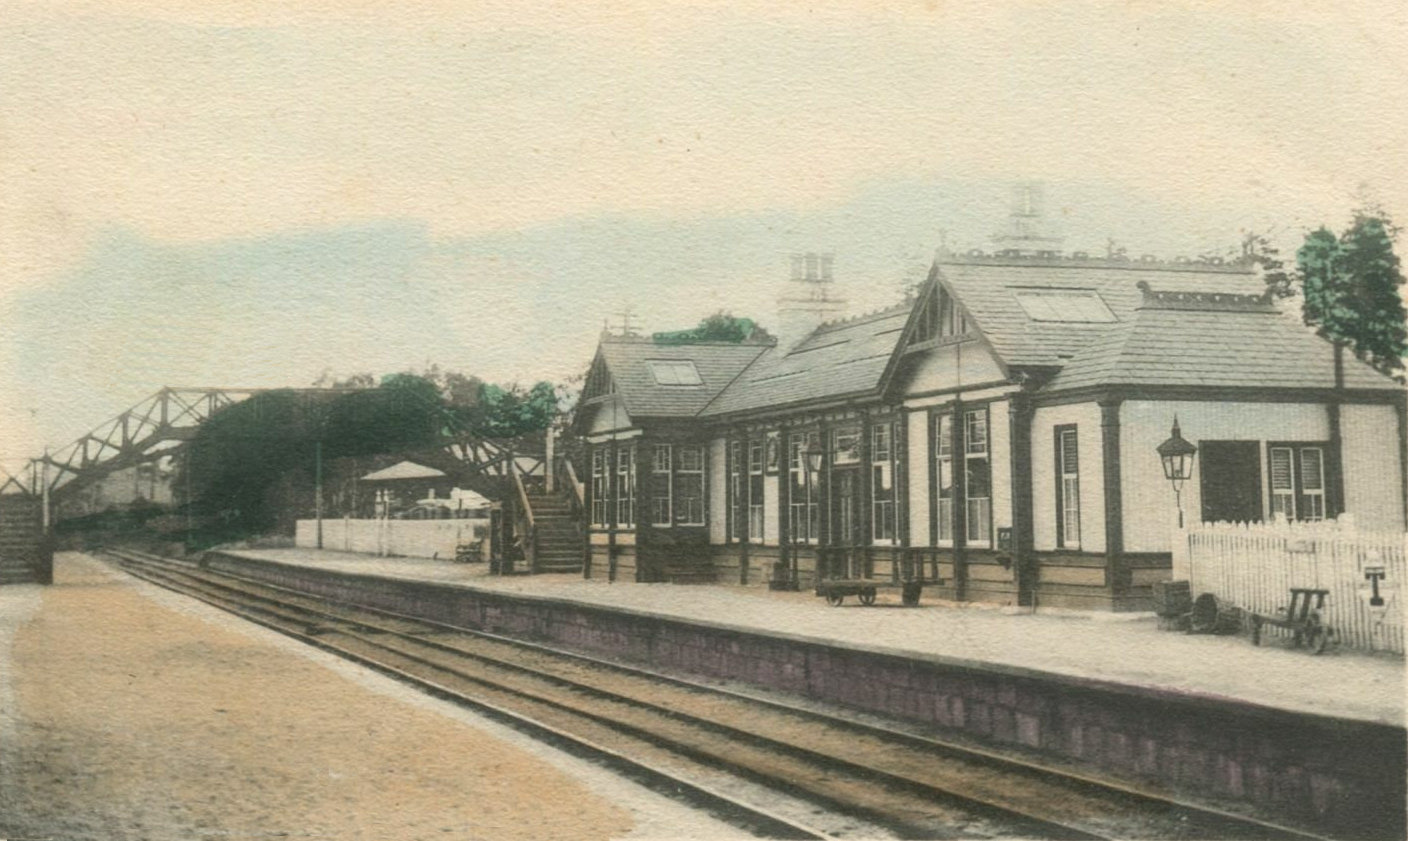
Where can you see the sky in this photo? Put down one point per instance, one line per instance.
(248, 194)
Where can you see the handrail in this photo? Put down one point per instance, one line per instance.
(530, 532)
(578, 489)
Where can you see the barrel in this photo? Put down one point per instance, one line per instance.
(1211, 616)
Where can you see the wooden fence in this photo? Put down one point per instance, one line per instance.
(1255, 565)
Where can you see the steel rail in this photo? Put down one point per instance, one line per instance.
(726, 808)
(1206, 821)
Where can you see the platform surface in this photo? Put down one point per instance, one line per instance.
(1124, 648)
(131, 713)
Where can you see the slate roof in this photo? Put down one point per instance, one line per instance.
(840, 358)
(1224, 335)
(718, 364)
(988, 291)
(1169, 344)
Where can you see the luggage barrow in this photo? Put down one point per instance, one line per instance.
(865, 589)
(1303, 620)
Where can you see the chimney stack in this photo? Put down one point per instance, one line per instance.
(808, 299)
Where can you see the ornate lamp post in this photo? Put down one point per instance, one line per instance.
(1177, 457)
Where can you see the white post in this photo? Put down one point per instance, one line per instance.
(547, 461)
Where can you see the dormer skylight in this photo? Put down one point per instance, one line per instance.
(674, 372)
(1071, 306)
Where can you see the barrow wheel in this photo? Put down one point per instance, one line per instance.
(867, 596)
(1317, 636)
(834, 599)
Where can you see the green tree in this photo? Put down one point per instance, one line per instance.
(511, 412)
(404, 412)
(241, 452)
(1259, 251)
(1352, 286)
(719, 327)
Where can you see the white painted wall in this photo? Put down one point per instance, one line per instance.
(953, 366)
(770, 492)
(1373, 490)
(717, 495)
(1086, 417)
(1149, 505)
(410, 538)
(610, 415)
(919, 444)
(1000, 442)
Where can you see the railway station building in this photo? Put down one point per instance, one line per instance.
(1001, 425)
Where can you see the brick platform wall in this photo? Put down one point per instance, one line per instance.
(1337, 775)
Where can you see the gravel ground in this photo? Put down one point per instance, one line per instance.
(127, 712)
(1126, 648)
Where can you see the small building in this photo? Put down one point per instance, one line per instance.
(402, 485)
(1002, 424)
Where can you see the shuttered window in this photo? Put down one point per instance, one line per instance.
(1297, 476)
(1283, 483)
(1067, 488)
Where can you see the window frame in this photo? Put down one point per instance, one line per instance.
(883, 512)
(625, 501)
(852, 453)
(983, 523)
(1064, 506)
(737, 490)
(674, 373)
(803, 513)
(656, 481)
(601, 487)
(757, 509)
(943, 460)
(1299, 495)
(700, 471)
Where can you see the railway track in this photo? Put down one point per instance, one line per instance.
(770, 768)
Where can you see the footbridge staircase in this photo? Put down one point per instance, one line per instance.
(546, 522)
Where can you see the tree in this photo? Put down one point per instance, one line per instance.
(1258, 250)
(1352, 287)
(243, 450)
(404, 412)
(719, 327)
(512, 412)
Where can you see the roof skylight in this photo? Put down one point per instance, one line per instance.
(674, 372)
(1081, 306)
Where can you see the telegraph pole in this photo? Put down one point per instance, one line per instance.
(318, 489)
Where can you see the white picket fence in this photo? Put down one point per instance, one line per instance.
(410, 538)
(1254, 566)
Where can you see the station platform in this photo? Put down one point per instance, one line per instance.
(131, 713)
(1126, 649)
